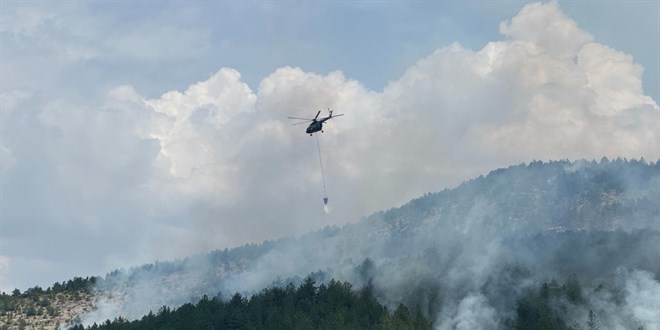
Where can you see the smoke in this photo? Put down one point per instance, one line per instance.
(216, 164)
(473, 312)
(636, 301)
(326, 209)
(465, 257)
(642, 293)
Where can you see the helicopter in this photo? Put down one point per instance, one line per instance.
(316, 123)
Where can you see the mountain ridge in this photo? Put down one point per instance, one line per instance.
(470, 228)
(447, 252)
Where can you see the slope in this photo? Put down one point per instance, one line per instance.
(466, 257)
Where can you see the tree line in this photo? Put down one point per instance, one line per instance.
(334, 305)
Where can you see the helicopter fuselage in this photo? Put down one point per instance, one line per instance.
(315, 126)
(316, 122)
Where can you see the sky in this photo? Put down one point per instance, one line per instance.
(135, 132)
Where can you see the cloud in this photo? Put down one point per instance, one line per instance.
(7, 160)
(196, 120)
(72, 176)
(218, 163)
(546, 27)
(5, 281)
(547, 92)
(70, 31)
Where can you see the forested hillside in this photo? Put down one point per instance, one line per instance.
(332, 306)
(49, 308)
(478, 248)
(555, 245)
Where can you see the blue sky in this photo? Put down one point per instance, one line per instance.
(372, 42)
(140, 131)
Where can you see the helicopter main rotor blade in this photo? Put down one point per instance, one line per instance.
(341, 114)
(304, 122)
(301, 118)
(317, 114)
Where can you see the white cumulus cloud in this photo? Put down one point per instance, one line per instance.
(218, 164)
(546, 92)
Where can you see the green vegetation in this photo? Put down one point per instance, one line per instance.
(547, 308)
(587, 224)
(38, 308)
(332, 306)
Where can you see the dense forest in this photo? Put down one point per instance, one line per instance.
(338, 306)
(556, 245)
(332, 306)
(547, 306)
(475, 256)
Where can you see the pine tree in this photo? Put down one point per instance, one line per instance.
(592, 321)
(575, 326)
(573, 289)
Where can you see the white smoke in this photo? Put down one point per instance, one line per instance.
(218, 164)
(462, 257)
(640, 293)
(473, 312)
(643, 298)
(227, 153)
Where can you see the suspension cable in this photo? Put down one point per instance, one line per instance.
(325, 195)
